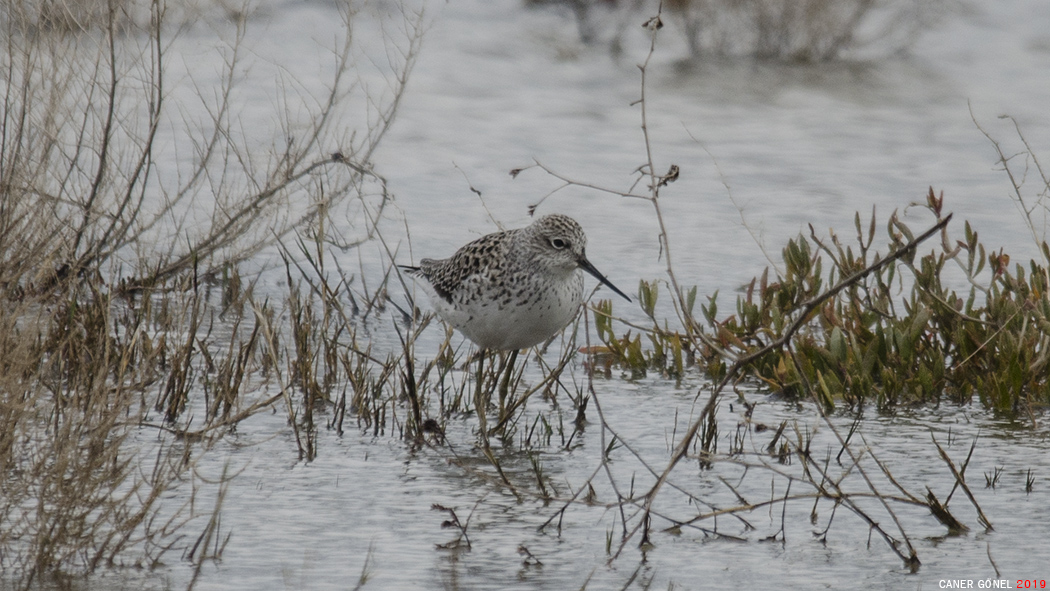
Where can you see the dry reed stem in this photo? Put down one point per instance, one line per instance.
(961, 481)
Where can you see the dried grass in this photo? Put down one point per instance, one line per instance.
(116, 377)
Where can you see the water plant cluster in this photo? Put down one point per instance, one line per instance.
(896, 333)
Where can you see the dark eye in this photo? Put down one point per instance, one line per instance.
(559, 243)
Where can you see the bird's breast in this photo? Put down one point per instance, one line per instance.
(514, 316)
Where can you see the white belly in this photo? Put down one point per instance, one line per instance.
(511, 323)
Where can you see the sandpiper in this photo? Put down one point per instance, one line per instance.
(511, 290)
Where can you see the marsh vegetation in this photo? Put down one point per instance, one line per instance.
(135, 340)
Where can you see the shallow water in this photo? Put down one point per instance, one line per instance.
(314, 526)
(497, 87)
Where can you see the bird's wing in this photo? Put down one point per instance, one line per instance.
(481, 258)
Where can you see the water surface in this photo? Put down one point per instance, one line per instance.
(765, 150)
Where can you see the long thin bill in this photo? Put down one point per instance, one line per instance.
(587, 266)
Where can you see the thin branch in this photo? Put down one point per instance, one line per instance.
(803, 316)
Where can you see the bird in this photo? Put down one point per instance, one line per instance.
(514, 289)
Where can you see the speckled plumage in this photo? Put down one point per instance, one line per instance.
(515, 289)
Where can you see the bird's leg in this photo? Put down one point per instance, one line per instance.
(504, 385)
(481, 401)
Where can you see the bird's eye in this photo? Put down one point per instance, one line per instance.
(559, 243)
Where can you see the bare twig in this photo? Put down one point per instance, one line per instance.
(804, 314)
